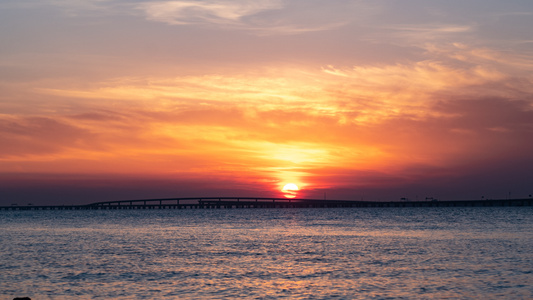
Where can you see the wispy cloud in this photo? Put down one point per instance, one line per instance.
(262, 17)
(201, 12)
(421, 34)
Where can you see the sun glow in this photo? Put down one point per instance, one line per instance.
(290, 190)
(290, 187)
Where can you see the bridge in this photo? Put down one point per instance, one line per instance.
(254, 202)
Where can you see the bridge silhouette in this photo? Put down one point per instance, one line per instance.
(258, 202)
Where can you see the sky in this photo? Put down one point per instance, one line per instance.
(356, 100)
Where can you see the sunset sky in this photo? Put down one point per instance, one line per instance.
(375, 100)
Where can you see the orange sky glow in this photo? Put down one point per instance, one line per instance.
(110, 100)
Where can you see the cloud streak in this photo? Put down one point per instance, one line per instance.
(263, 17)
(200, 12)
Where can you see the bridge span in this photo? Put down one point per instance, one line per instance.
(257, 202)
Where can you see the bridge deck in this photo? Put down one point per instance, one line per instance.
(247, 202)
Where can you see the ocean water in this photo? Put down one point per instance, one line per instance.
(329, 253)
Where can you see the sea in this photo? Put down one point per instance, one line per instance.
(269, 253)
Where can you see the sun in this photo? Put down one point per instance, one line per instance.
(290, 187)
(289, 190)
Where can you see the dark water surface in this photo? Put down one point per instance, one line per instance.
(346, 253)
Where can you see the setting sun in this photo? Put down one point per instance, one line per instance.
(290, 187)
(289, 190)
